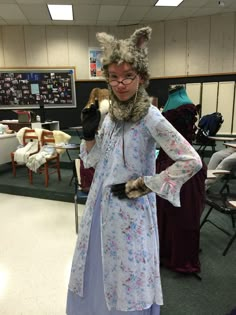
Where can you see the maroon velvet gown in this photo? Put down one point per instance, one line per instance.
(179, 227)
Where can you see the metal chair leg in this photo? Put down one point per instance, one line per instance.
(229, 244)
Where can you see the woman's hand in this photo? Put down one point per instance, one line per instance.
(132, 189)
(90, 118)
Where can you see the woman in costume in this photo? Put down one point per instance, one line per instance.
(115, 268)
(179, 227)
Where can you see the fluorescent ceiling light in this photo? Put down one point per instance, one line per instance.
(168, 3)
(61, 12)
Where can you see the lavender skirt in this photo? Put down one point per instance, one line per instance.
(93, 302)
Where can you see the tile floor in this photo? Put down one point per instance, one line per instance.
(37, 239)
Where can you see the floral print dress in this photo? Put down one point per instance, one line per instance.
(129, 246)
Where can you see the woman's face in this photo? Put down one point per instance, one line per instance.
(123, 80)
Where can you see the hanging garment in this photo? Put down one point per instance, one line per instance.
(22, 154)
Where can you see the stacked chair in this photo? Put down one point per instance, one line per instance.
(28, 137)
(227, 209)
(51, 162)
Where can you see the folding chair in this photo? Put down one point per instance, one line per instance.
(229, 209)
(202, 146)
(226, 181)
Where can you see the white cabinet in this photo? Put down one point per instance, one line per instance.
(8, 144)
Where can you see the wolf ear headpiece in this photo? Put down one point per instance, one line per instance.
(132, 50)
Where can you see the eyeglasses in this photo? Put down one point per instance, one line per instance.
(126, 81)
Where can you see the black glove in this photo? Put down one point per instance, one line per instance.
(132, 189)
(90, 118)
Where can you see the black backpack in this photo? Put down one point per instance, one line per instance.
(208, 125)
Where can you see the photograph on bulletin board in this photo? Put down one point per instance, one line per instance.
(30, 88)
(95, 66)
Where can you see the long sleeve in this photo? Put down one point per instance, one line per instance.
(168, 183)
(91, 159)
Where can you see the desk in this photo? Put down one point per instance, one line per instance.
(232, 203)
(222, 138)
(232, 145)
(67, 147)
(212, 174)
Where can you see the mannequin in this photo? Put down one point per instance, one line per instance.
(177, 97)
(179, 229)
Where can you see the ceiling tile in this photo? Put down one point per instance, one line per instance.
(106, 22)
(85, 22)
(40, 22)
(158, 12)
(63, 22)
(105, 12)
(36, 11)
(206, 11)
(110, 13)
(8, 1)
(134, 13)
(114, 2)
(86, 1)
(89, 12)
(17, 22)
(128, 22)
(182, 13)
(193, 3)
(2, 22)
(11, 11)
(31, 1)
(141, 2)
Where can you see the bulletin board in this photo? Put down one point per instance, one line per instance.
(30, 88)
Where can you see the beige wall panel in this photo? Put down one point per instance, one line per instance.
(157, 51)
(2, 62)
(36, 46)
(14, 46)
(234, 61)
(234, 116)
(175, 47)
(194, 92)
(209, 97)
(78, 51)
(198, 42)
(225, 105)
(221, 43)
(57, 45)
(92, 30)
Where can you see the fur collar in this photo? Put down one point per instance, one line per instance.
(133, 110)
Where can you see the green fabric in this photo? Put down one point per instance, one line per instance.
(176, 99)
